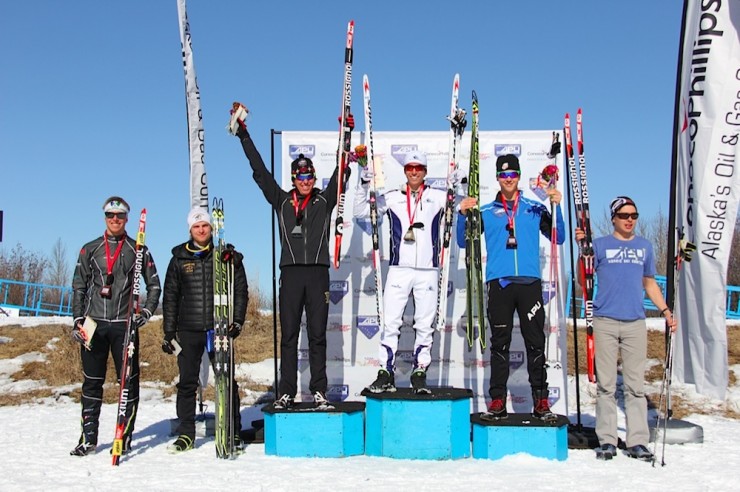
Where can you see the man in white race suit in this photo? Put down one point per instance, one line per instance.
(414, 214)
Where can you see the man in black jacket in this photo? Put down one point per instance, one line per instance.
(187, 306)
(101, 304)
(304, 213)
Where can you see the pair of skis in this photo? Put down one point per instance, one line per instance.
(476, 313)
(123, 417)
(345, 138)
(223, 361)
(457, 127)
(579, 186)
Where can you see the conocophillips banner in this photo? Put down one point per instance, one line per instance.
(708, 187)
(353, 334)
(196, 139)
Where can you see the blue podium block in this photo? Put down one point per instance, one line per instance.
(406, 425)
(520, 433)
(303, 431)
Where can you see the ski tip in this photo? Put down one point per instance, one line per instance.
(580, 111)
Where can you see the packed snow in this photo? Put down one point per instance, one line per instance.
(35, 440)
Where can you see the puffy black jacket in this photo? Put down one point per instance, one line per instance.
(312, 246)
(91, 273)
(187, 303)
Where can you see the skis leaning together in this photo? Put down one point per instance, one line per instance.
(583, 221)
(375, 182)
(345, 137)
(476, 313)
(223, 361)
(457, 126)
(129, 346)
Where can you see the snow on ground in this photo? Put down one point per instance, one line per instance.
(35, 441)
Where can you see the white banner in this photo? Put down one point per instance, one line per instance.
(353, 332)
(198, 183)
(708, 188)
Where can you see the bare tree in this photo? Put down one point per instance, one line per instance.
(21, 265)
(58, 272)
(733, 266)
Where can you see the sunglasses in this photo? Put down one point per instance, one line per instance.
(305, 177)
(414, 167)
(117, 215)
(625, 215)
(508, 174)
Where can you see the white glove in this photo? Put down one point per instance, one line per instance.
(457, 176)
(366, 174)
(238, 115)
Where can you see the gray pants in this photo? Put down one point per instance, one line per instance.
(630, 338)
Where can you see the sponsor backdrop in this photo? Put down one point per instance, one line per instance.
(353, 332)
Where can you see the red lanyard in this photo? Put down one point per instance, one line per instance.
(416, 202)
(303, 205)
(510, 216)
(112, 261)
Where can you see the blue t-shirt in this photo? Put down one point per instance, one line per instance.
(620, 267)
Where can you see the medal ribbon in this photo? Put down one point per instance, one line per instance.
(416, 203)
(108, 259)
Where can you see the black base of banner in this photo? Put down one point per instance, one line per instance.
(580, 437)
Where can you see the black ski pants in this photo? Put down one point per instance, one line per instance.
(526, 301)
(108, 337)
(193, 344)
(303, 286)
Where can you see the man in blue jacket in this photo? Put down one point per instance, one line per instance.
(512, 225)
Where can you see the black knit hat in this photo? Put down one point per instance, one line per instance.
(508, 162)
(303, 167)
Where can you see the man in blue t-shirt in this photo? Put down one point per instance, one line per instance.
(625, 265)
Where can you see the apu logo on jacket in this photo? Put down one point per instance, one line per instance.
(188, 267)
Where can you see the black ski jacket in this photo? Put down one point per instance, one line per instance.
(311, 247)
(91, 274)
(187, 303)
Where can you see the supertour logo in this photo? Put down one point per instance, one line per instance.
(503, 149)
(337, 290)
(436, 183)
(398, 151)
(365, 225)
(553, 395)
(516, 359)
(306, 149)
(337, 392)
(368, 325)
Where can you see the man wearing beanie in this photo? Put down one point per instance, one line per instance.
(512, 225)
(625, 265)
(303, 213)
(414, 212)
(187, 306)
(100, 304)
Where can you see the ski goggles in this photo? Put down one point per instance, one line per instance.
(117, 215)
(507, 174)
(625, 215)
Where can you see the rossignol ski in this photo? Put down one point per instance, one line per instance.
(129, 346)
(375, 183)
(223, 361)
(583, 221)
(457, 126)
(476, 314)
(345, 137)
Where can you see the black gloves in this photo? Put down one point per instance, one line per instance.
(167, 346)
(141, 318)
(235, 329)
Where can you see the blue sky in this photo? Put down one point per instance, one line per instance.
(92, 97)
